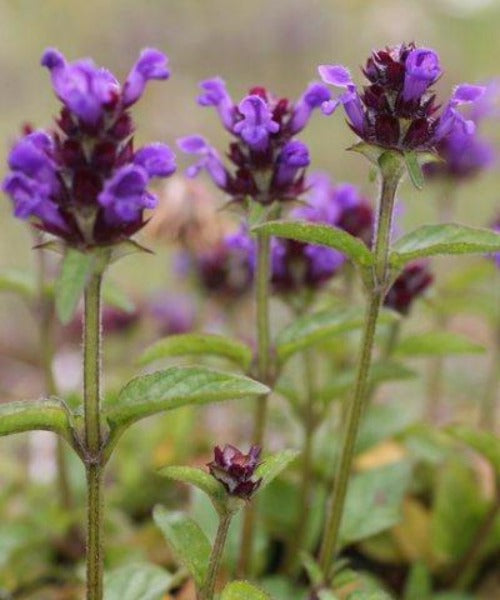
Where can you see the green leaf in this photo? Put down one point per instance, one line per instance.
(483, 442)
(369, 151)
(127, 247)
(321, 235)
(377, 595)
(200, 479)
(374, 501)
(436, 343)
(272, 466)
(136, 582)
(414, 169)
(112, 295)
(186, 540)
(178, 386)
(18, 281)
(309, 330)
(30, 415)
(432, 240)
(418, 583)
(242, 590)
(199, 343)
(75, 271)
(383, 421)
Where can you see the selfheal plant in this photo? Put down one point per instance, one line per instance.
(409, 285)
(85, 182)
(236, 470)
(398, 110)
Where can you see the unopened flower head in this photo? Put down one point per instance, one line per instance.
(398, 109)
(85, 182)
(268, 163)
(408, 286)
(236, 470)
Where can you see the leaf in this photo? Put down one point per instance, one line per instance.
(112, 295)
(433, 240)
(242, 590)
(200, 479)
(272, 466)
(18, 281)
(483, 442)
(414, 169)
(127, 247)
(369, 151)
(30, 415)
(436, 343)
(377, 595)
(75, 270)
(374, 501)
(382, 422)
(309, 330)
(178, 386)
(187, 541)
(418, 583)
(199, 343)
(136, 582)
(321, 235)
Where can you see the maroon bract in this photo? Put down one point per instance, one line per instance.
(236, 470)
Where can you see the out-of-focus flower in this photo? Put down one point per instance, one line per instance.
(268, 163)
(398, 110)
(408, 286)
(85, 183)
(173, 313)
(236, 471)
(114, 321)
(496, 227)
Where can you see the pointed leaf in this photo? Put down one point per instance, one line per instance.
(309, 330)
(242, 590)
(127, 247)
(321, 235)
(178, 386)
(112, 295)
(414, 169)
(432, 240)
(18, 281)
(369, 151)
(272, 466)
(199, 343)
(436, 343)
(75, 271)
(187, 541)
(137, 582)
(30, 415)
(200, 479)
(483, 442)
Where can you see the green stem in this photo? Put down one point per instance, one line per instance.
(208, 590)
(93, 441)
(355, 409)
(264, 375)
(305, 489)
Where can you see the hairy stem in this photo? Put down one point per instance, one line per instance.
(355, 409)
(91, 376)
(263, 374)
(207, 593)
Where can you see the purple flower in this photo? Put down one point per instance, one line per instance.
(156, 159)
(215, 94)
(267, 163)
(293, 158)
(85, 183)
(257, 122)
(397, 109)
(408, 286)
(124, 196)
(422, 71)
(174, 313)
(315, 96)
(236, 471)
(152, 64)
(210, 159)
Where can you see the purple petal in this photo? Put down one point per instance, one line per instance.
(422, 70)
(52, 59)
(336, 75)
(466, 92)
(215, 94)
(193, 144)
(315, 96)
(152, 64)
(157, 159)
(257, 122)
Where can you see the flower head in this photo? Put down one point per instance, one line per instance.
(267, 162)
(398, 110)
(173, 313)
(409, 285)
(236, 471)
(85, 182)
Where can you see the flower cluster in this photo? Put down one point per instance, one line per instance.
(397, 109)
(85, 182)
(466, 155)
(268, 163)
(235, 470)
(408, 286)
